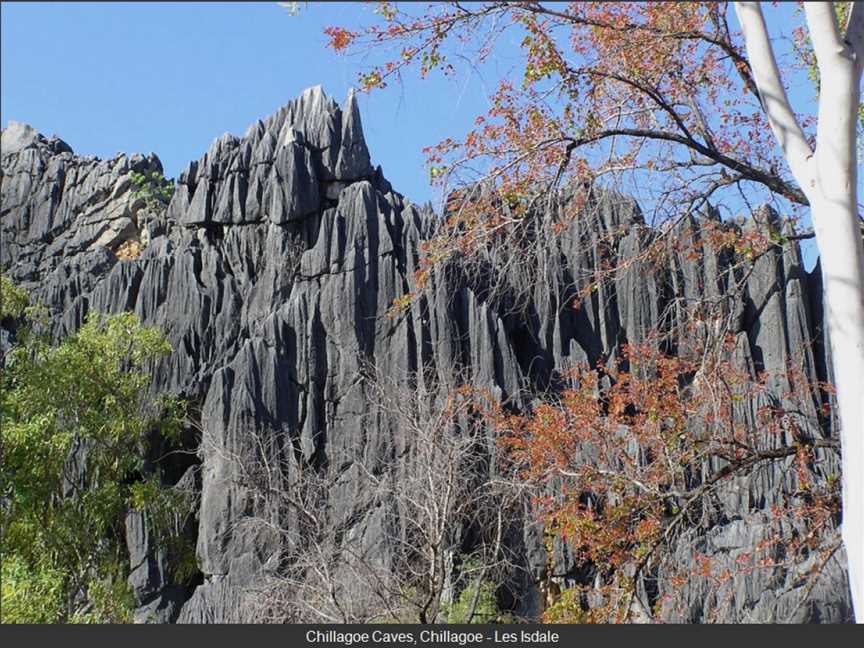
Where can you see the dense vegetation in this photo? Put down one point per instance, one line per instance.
(75, 421)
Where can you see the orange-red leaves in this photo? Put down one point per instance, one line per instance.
(340, 38)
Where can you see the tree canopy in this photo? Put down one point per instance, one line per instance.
(75, 418)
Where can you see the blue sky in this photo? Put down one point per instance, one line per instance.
(171, 77)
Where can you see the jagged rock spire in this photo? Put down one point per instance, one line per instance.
(353, 160)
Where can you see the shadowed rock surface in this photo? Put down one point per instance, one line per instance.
(272, 271)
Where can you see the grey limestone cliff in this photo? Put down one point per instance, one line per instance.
(272, 271)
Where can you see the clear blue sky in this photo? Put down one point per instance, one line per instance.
(171, 77)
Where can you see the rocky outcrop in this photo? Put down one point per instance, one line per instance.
(272, 271)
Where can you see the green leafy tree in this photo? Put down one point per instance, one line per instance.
(75, 418)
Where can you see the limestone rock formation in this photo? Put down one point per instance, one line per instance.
(272, 271)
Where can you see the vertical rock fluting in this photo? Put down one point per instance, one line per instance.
(272, 272)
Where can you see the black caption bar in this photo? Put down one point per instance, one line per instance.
(445, 636)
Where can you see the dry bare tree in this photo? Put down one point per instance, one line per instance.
(397, 529)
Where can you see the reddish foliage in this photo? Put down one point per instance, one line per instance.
(630, 460)
(612, 91)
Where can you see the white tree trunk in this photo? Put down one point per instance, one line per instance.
(838, 238)
(833, 199)
(829, 179)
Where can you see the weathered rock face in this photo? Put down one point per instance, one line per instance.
(272, 271)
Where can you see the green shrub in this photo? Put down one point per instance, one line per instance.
(110, 600)
(13, 300)
(153, 187)
(90, 391)
(30, 594)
